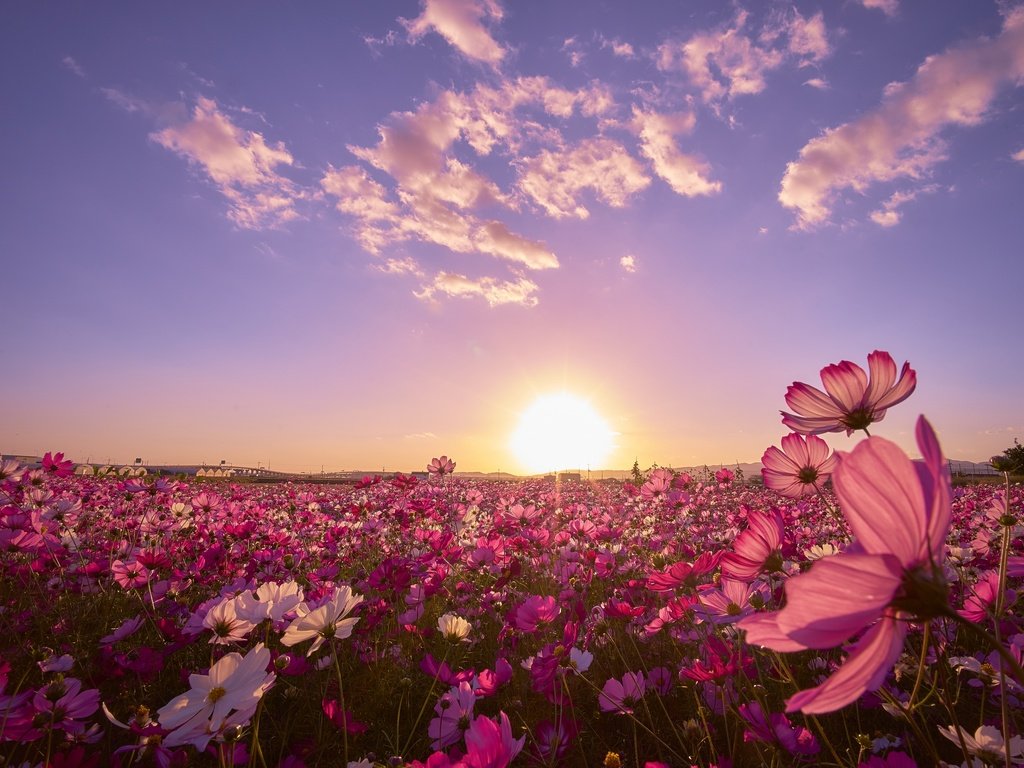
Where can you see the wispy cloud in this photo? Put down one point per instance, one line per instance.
(1018, 155)
(240, 163)
(556, 179)
(889, 7)
(901, 137)
(730, 61)
(819, 83)
(462, 24)
(420, 436)
(73, 66)
(889, 214)
(495, 292)
(403, 266)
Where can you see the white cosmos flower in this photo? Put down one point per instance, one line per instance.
(229, 693)
(986, 743)
(324, 622)
(454, 628)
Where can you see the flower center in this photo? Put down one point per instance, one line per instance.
(859, 419)
(216, 694)
(807, 475)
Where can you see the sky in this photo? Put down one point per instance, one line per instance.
(364, 234)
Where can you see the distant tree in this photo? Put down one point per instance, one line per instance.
(638, 476)
(1012, 459)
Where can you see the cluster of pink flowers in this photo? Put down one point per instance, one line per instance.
(679, 621)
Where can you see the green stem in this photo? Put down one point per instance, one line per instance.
(341, 700)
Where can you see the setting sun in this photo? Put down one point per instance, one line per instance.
(561, 431)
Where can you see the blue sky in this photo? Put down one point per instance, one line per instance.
(371, 233)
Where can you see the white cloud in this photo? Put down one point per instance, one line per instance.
(404, 266)
(806, 39)
(686, 174)
(901, 137)
(461, 23)
(1018, 155)
(889, 7)
(619, 48)
(240, 164)
(628, 263)
(555, 179)
(817, 82)
(72, 65)
(494, 292)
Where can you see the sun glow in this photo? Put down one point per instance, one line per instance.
(561, 431)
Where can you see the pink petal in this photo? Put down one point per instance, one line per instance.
(846, 383)
(808, 401)
(903, 389)
(837, 598)
(937, 489)
(881, 497)
(883, 375)
(864, 670)
(763, 629)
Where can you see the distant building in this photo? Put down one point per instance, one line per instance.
(564, 476)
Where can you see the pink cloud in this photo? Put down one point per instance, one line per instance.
(889, 7)
(901, 137)
(686, 174)
(889, 214)
(628, 263)
(240, 164)
(555, 180)
(727, 62)
(461, 23)
(494, 292)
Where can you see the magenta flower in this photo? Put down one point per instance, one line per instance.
(57, 465)
(775, 728)
(441, 466)
(899, 513)
(490, 744)
(454, 714)
(758, 548)
(851, 400)
(800, 468)
(622, 695)
(535, 610)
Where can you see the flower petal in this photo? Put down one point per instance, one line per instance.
(864, 670)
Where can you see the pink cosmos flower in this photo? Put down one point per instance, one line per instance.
(758, 548)
(983, 597)
(490, 744)
(57, 465)
(800, 468)
(900, 514)
(454, 713)
(129, 575)
(441, 466)
(621, 695)
(535, 610)
(731, 601)
(775, 728)
(851, 400)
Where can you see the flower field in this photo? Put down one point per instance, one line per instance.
(681, 621)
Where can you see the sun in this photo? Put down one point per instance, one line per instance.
(561, 431)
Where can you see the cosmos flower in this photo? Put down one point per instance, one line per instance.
(454, 628)
(441, 466)
(228, 694)
(325, 622)
(851, 399)
(758, 548)
(622, 695)
(800, 468)
(900, 514)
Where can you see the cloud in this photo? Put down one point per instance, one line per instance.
(889, 7)
(889, 215)
(687, 175)
(726, 62)
(420, 436)
(494, 292)
(901, 137)
(555, 179)
(619, 48)
(628, 263)
(817, 82)
(404, 266)
(461, 23)
(240, 164)
(72, 65)
(1018, 155)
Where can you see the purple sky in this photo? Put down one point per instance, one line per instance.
(373, 233)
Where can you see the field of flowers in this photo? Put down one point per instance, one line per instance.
(870, 620)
